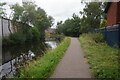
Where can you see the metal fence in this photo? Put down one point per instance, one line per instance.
(5, 26)
(111, 35)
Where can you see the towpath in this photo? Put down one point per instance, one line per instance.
(73, 64)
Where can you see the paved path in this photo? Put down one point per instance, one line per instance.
(73, 64)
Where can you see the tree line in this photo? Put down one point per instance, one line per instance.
(92, 17)
(28, 13)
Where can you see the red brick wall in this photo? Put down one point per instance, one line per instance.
(118, 15)
(112, 14)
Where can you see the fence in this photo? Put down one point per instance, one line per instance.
(111, 35)
(7, 26)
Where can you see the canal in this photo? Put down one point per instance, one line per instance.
(14, 57)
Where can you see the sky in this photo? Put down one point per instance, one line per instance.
(58, 9)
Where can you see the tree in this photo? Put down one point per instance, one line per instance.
(71, 27)
(92, 14)
(59, 27)
(32, 15)
(2, 10)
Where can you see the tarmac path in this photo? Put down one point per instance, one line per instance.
(73, 64)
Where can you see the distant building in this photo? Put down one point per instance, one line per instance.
(113, 13)
(50, 32)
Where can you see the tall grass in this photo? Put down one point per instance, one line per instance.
(103, 59)
(44, 66)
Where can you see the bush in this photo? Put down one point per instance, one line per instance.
(17, 38)
(6, 41)
(103, 23)
(22, 37)
(44, 66)
(35, 34)
(98, 37)
(29, 36)
(60, 37)
(102, 58)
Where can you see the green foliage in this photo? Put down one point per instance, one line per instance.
(30, 14)
(44, 67)
(98, 37)
(103, 59)
(92, 14)
(6, 41)
(18, 10)
(17, 38)
(71, 27)
(103, 24)
(2, 10)
(35, 34)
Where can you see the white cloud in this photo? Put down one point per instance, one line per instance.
(60, 9)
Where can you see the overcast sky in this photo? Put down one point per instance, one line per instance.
(58, 9)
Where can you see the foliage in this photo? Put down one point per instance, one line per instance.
(98, 37)
(71, 27)
(2, 10)
(17, 38)
(6, 41)
(25, 36)
(92, 14)
(35, 34)
(30, 14)
(44, 67)
(103, 59)
(29, 24)
(103, 23)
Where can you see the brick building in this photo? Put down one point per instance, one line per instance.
(113, 13)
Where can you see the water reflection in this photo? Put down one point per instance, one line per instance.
(52, 44)
(14, 56)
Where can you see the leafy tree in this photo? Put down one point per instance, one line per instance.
(35, 34)
(103, 24)
(59, 27)
(92, 14)
(2, 10)
(71, 27)
(30, 14)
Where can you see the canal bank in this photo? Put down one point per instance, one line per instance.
(15, 57)
(43, 67)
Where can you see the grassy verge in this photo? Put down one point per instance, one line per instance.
(103, 59)
(44, 67)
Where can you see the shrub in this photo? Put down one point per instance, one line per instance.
(44, 66)
(29, 36)
(6, 41)
(98, 37)
(35, 34)
(103, 23)
(17, 38)
(102, 58)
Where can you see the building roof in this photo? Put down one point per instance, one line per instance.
(107, 7)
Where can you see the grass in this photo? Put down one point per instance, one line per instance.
(102, 58)
(44, 66)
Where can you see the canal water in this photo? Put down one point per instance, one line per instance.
(14, 57)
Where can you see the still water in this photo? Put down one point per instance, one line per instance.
(13, 58)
